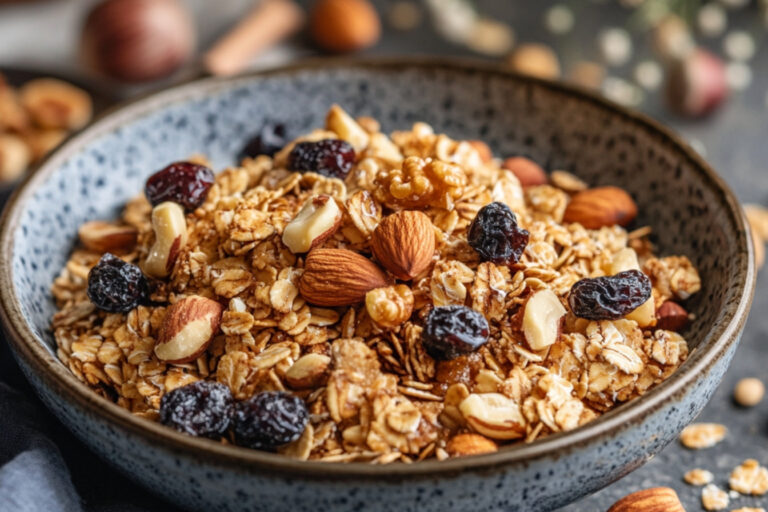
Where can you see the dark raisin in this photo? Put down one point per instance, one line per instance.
(184, 183)
(116, 286)
(270, 139)
(201, 409)
(609, 297)
(451, 331)
(329, 157)
(270, 419)
(495, 235)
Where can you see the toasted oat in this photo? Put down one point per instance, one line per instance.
(714, 498)
(702, 435)
(749, 478)
(374, 394)
(749, 509)
(698, 477)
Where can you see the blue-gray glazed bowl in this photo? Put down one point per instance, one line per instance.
(93, 174)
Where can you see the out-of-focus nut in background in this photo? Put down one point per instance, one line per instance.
(344, 25)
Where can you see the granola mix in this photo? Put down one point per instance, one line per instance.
(281, 281)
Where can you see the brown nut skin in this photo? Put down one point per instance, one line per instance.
(470, 444)
(671, 316)
(103, 237)
(657, 499)
(486, 155)
(404, 243)
(342, 26)
(602, 206)
(193, 309)
(339, 277)
(526, 170)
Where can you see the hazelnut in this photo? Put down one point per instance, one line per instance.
(535, 60)
(749, 392)
(344, 25)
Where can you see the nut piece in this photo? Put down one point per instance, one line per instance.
(344, 25)
(404, 243)
(567, 182)
(317, 220)
(389, 307)
(602, 206)
(56, 104)
(103, 236)
(528, 172)
(749, 478)
(493, 415)
(702, 435)
(645, 314)
(714, 498)
(486, 155)
(339, 277)
(187, 329)
(537, 60)
(470, 444)
(342, 124)
(698, 477)
(541, 320)
(671, 316)
(656, 499)
(15, 156)
(749, 392)
(308, 371)
(170, 228)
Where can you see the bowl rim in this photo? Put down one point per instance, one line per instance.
(54, 374)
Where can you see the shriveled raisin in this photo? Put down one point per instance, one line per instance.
(329, 157)
(202, 409)
(116, 286)
(495, 235)
(269, 420)
(184, 183)
(269, 140)
(609, 297)
(451, 331)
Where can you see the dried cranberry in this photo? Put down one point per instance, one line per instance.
(270, 419)
(270, 139)
(329, 157)
(184, 183)
(610, 297)
(451, 331)
(495, 235)
(116, 286)
(201, 409)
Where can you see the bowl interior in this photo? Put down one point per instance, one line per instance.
(93, 175)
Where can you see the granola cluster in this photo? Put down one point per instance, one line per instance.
(372, 391)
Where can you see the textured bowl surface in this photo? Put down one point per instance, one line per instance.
(92, 175)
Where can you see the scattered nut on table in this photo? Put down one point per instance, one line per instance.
(749, 392)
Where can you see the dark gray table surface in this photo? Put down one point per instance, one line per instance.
(734, 141)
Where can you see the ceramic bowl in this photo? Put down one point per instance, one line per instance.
(92, 175)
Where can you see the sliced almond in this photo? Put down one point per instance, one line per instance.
(317, 220)
(493, 415)
(187, 329)
(541, 320)
(470, 444)
(308, 371)
(103, 236)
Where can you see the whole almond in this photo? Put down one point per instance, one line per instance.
(527, 171)
(106, 237)
(404, 243)
(344, 25)
(602, 206)
(187, 329)
(657, 499)
(671, 316)
(339, 277)
(470, 444)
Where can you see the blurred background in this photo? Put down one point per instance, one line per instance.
(699, 66)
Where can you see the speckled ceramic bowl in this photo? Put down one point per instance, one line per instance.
(93, 174)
